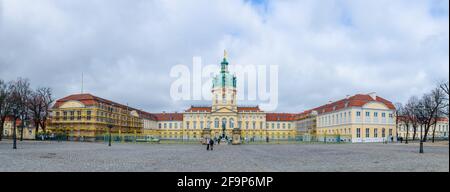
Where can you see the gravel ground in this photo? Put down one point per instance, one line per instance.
(74, 156)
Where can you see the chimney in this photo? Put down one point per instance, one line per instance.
(347, 97)
(373, 95)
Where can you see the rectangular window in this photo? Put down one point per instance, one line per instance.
(383, 115)
(367, 132)
(375, 133)
(159, 125)
(375, 114)
(358, 133)
(367, 114)
(358, 114)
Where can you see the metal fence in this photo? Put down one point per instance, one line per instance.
(141, 138)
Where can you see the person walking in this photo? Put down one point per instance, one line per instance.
(207, 143)
(211, 143)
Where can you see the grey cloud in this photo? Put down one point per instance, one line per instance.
(324, 51)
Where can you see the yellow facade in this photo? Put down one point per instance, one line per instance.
(8, 130)
(74, 118)
(373, 122)
(360, 118)
(441, 130)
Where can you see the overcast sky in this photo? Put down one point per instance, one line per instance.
(325, 50)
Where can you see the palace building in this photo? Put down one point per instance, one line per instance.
(8, 129)
(358, 118)
(440, 129)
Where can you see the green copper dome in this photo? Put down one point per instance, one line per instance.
(224, 79)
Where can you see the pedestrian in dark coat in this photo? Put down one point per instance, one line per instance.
(211, 143)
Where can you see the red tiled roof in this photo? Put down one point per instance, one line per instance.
(302, 115)
(445, 119)
(280, 116)
(248, 109)
(441, 119)
(89, 100)
(358, 100)
(199, 109)
(10, 118)
(146, 115)
(169, 116)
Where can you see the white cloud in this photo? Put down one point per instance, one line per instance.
(325, 50)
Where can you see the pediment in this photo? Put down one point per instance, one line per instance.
(72, 104)
(224, 110)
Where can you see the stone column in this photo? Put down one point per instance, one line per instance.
(236, 136)
(206, 133)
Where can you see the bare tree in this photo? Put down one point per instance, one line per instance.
(398, 116)
(20, 90)
(429, 107)
(39, 102)
(410, 111)
(445, 89)
(4, 105)
(46, 95)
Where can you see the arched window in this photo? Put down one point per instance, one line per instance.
(216, 123)
(224, 122)
(232, 123)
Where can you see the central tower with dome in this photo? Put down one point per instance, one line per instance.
(224, 88)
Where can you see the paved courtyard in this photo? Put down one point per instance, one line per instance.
(74, 156)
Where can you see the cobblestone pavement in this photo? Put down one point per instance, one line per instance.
(74, 156)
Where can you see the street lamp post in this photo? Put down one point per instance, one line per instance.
(110, 126)
(421, 141)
